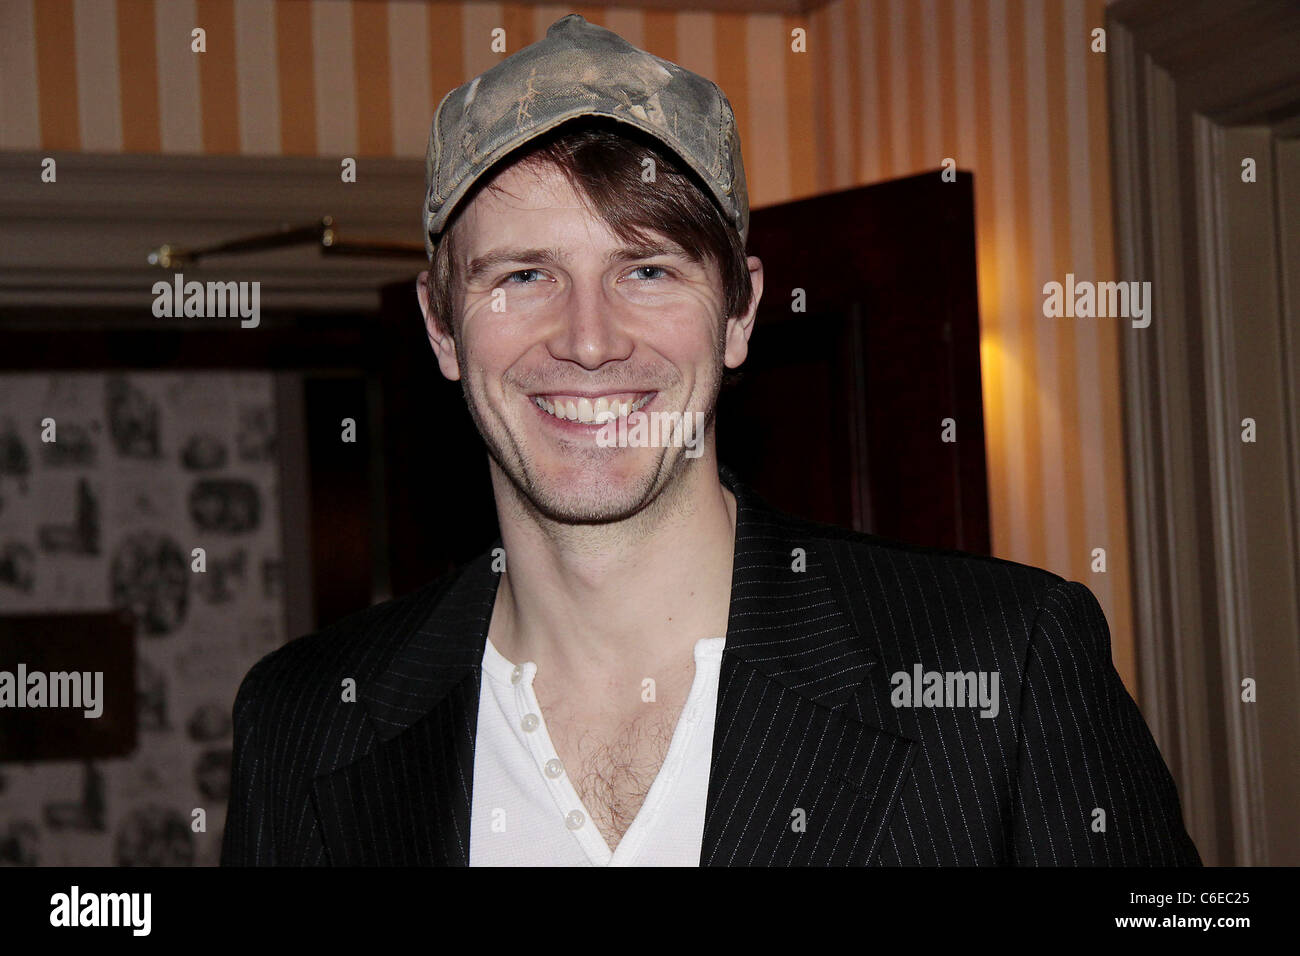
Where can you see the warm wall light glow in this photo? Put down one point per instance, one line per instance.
(988, 271)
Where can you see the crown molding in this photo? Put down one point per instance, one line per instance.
(83, 240)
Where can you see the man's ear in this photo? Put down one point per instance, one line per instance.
(739, 327)
(444, 344)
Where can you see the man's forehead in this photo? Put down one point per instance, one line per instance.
(501, 208)
(497, 219)
(534, 183)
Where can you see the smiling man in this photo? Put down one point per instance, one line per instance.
(619, 560)
(652, 667)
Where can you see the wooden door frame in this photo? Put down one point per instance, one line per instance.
(1183, 74)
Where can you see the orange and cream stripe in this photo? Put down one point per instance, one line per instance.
(887, 88)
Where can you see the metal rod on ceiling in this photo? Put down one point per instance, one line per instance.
(324, 232)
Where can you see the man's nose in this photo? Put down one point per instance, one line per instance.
(590, 329)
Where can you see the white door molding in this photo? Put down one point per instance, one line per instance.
(1212, 516)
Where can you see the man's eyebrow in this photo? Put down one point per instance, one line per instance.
(480, 265)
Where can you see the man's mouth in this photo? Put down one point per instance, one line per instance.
(588, 410)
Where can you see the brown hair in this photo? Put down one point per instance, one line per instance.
(602, 159)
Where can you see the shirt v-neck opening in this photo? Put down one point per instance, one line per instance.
(707, 658)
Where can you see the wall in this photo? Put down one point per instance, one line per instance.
(146, 467)
(1014, 94)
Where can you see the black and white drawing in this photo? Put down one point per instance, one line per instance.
(216, 585)
(132, 419)
(150, 696)
(74, 447)
(80, 535)
(209, 722)
(86, 813)
(256, 435)
(20, 844)
(14, 460)
(225, 505)
(212, 774)
(17, 567)
(153, 835)
(147, 466)
(150, 576)
(203, 452)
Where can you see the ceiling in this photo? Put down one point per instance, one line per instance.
(716, 6)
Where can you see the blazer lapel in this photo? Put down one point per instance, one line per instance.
(798, 776)
(407, 800)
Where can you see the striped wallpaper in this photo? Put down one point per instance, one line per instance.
(887, 88)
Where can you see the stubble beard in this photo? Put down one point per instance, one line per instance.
(542, 496)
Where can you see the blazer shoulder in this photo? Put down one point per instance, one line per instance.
(976, 597)
(877, 547)
(358, 645)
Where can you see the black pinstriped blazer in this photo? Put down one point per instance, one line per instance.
(804, 720)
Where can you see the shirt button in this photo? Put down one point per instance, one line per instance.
(529, 723)
(575, 819)
(554, 768)
(516, 675)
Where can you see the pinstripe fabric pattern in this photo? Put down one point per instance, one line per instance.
(812, 763)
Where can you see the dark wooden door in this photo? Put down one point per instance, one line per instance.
(839, 412)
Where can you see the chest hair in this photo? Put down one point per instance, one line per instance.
(615, 772)
(612, 761)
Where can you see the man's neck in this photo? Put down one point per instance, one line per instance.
(623, 600)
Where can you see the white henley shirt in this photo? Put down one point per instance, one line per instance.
(526, 812)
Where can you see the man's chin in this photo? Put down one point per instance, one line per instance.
(596, 491)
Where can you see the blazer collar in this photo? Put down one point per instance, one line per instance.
(792, 655)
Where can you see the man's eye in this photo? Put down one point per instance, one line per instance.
(660, 269)
(522, 272)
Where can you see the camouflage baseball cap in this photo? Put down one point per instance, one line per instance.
(580, 69)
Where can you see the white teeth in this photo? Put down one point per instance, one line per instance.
(588, 412)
